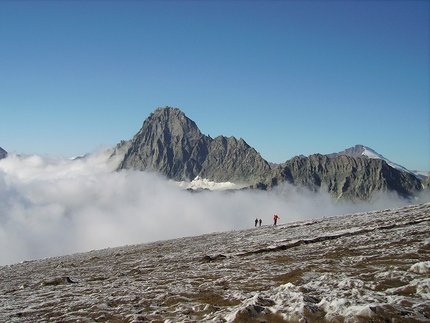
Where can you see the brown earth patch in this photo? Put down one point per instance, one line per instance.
(294, 277)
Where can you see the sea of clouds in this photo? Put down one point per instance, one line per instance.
(57, 206)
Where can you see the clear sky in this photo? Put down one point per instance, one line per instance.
(289, 77)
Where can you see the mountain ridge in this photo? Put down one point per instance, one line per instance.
(344, 176)
(362, 151)
(170, 143)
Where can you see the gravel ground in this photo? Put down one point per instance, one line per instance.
(364, 267)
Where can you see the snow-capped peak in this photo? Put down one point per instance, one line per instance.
(370, 153)
(366, 152)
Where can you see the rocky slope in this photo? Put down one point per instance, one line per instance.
(171, 144)
(3, 153)
(426, 183)
(344, 177)
(365, 267)
(361, 151)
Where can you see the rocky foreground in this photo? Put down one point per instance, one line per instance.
(366, 267)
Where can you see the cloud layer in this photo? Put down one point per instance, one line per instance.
(52, 207)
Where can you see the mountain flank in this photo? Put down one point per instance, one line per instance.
(343, 177)
(3, 153)
(171, 144)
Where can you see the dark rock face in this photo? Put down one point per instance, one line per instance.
(3, 153)
(426, 183)
(344, 177)
(164, 144)
(172, 145)
(233, 160)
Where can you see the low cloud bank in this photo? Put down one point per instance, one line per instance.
(51, 207)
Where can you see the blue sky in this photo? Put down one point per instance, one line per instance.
(289, 77)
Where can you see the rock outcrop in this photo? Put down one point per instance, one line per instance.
(426, 183)
(172, 144)
(3, 153)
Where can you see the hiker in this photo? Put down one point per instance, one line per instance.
(256, 221)
(275, 219)
(259, 221)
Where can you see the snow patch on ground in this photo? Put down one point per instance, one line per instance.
(203, 183)
(421, 267)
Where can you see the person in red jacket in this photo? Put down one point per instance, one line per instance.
(275, 219)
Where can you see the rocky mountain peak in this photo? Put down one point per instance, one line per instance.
(171, 122)
(356, 151)
(172, 144)
(360, 151)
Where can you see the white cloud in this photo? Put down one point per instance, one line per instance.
(53, 207)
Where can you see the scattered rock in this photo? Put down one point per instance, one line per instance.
(421, 267)
(58, 281)
(209, 258)
(70, 281)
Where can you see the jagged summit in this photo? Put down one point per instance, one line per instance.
(166, 139)
(356, 151)
(171, 123)
(172, 144)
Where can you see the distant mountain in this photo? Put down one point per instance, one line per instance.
(343, 176)
(171, 144)
(3, 153)
(366, 152)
